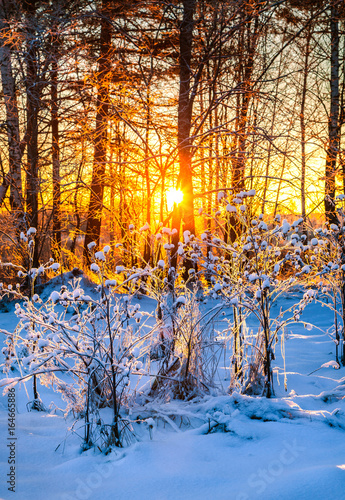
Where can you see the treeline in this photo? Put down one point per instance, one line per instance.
(105, 105)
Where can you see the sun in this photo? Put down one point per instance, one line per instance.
(173, 196)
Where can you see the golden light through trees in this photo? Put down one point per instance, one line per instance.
(121, 101)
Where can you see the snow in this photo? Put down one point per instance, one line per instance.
(285, 227)
(266, 283)
(263, 226)
(146, 227)
(77, 293)
(332, 364)
(54, 296)
(181, 299)
(297, 222)
(186, 236)
(94, 267)
(109, 283)
(224, 447)
(100, 256)
(31, 231)
(231, 208)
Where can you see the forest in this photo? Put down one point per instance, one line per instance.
(111, 111)
(172, 248)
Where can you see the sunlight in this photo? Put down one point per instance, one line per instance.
(173, 196)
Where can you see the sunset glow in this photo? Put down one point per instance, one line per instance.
(173, 196)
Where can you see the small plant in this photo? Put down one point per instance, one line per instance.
(327, 263)
(249, 276)
(28, 276)
(190, 356)
(98, 342)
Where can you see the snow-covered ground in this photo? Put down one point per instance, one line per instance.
(223, 447)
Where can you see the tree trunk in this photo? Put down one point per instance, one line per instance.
(303, 126)
(32, 108)
(56, 246)
(185, 107)
(333, 123)
(274, 113)
(94, 214)
(147, 247)
(247, 49)
(14, 177)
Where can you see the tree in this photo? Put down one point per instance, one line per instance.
(185, 108)
(33, 105)
(94, 214)
(15, 149)
(248, 37)
(333, 121)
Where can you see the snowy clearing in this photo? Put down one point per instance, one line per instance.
(233, 447)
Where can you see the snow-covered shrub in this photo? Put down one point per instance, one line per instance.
(183, 349)
(29, 276)
(189, 349)
(250, 276)
(98, 342)
(327, 264)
